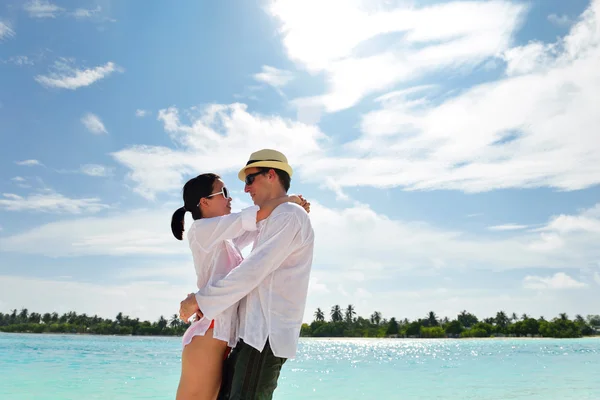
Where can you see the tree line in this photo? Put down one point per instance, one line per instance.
(345, 323)
(341, 323)
(71, 322)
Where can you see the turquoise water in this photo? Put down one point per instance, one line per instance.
(107, 367)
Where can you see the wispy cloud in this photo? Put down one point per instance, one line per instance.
(560, 280)
(50, 202)
(560, 20)
(29, 163)
(42, 9)
(141, 113)
(156, 297)
(374, 48)
(5, 31)
(424, 141)
(18, 179)
(18, 60)
(82, 13)
(274, 77)
(95, 170)
(65, 76)
(218, 135)
(507, 227)
(93, 123)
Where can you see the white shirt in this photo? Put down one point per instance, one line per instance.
(215, 244)
(271, 284)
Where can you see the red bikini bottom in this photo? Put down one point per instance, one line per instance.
(228, 350)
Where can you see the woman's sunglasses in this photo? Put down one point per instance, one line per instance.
(223, 191)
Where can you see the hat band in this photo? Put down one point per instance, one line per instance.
(253, 161)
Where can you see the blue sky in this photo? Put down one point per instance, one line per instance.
(449, 149)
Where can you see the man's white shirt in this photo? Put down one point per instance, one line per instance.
(271, 284)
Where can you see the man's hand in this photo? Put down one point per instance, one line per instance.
(189, 307)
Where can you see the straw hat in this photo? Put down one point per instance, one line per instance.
(266, 158)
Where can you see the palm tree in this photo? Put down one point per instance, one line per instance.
(376, 318)
(319, 315)
(524, 317)
(47, 318)
(174, 321)
(350, 313)
(336, 314)
(501, 319)
(514, 317)
(563, 316)
(23, 315)
(162, 323)
(392, 327)
(432, 319)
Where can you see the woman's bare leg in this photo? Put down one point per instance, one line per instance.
(201, 368)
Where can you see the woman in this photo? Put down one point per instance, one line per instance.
(215, 238)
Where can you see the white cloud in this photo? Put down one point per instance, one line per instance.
(20, 60)
(140, 113)
(136, 232)
(507, 227)
(29, 163)
(356, 250)
(560, 20)
(42, 9)
(529, 58)
(18, 179)
(6, 31)
(51, 202)
(375, 46)
(144, 299)
(65, 76)
(93, 123)
(503, 134)
(354, 242)
(274, 76)
(82, 13)
(95, 170)
(219, 137)
(560, 280)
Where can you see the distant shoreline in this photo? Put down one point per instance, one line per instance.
(329, 338)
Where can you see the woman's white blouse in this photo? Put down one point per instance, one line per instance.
(215, 244)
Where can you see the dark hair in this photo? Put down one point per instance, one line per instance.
(284, 177)
(193, 190)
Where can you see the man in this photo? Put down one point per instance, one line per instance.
(271, 285)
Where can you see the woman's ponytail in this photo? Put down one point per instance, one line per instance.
(177, 221)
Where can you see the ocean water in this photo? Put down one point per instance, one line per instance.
(111, 367)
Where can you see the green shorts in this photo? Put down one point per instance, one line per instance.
(249, 374)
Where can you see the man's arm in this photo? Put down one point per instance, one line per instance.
(281, 237)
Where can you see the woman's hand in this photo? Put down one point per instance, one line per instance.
(189, 307)
(298, 199)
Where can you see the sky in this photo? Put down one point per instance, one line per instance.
(450, 149)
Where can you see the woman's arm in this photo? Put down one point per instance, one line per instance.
(267, 208)
(211, 231)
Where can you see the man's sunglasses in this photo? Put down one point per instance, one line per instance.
(223, 191)
(250, 177)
